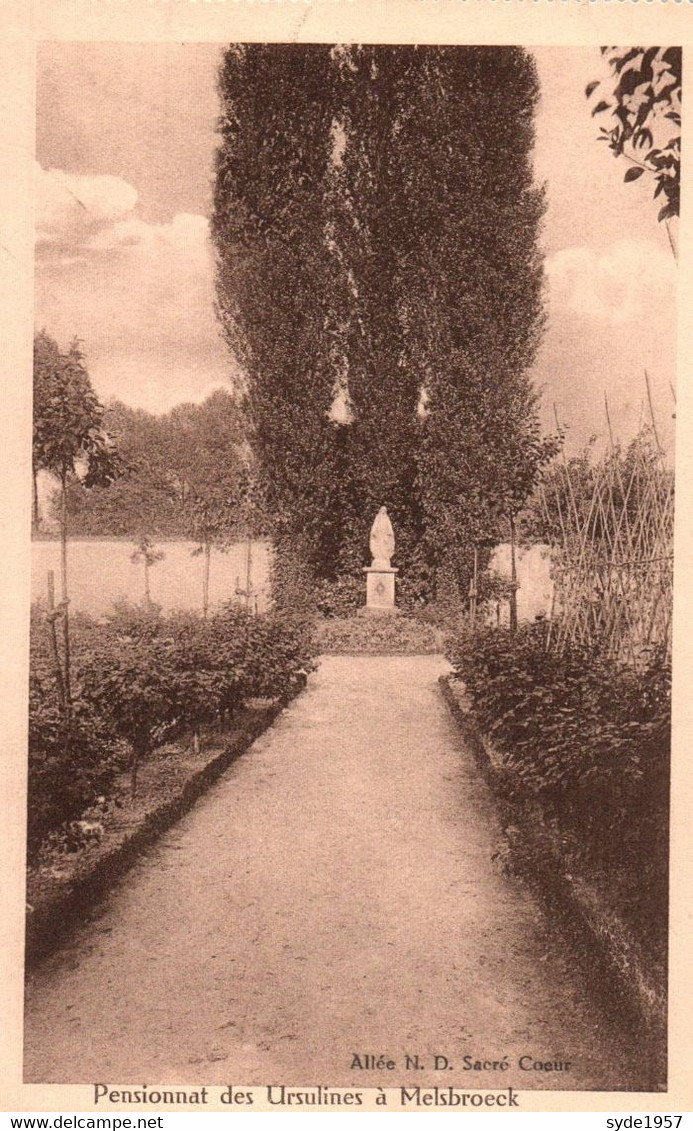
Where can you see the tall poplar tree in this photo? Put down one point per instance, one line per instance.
(374, 227)
(278, 281)
(439, 223)
(377, 229)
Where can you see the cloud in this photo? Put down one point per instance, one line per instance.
(186, 232)
(621, 285)
(612, 316)
(71, 208)
(140, 296)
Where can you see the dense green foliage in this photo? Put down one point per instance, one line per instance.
(589, 741)
(138, 678)
(189, 475)
(379, 281)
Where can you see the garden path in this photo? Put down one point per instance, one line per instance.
(333, 894)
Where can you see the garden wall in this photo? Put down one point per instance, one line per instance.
(535, 591)
(101, 572)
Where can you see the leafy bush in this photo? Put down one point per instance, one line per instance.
(190, 650)
(136, 622)
(588, 740)
(231, 656)
(136, 676)
(69, 767)
(135, 685)
(274, 650)
(289, 653)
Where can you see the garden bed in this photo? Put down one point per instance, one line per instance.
(377, 634)
(585, 906)
(63, 885)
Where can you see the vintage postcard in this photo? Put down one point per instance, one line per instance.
(345, 598)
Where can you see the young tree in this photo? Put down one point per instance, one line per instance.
(211, 516)
(69, 440)
(518, 472)
(206, 446)
(146, 553)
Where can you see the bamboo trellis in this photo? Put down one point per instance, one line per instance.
(613, 553)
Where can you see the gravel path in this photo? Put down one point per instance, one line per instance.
(334, 894)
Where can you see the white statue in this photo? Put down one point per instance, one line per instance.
(382, 541)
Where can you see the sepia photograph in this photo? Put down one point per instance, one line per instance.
(352, 557)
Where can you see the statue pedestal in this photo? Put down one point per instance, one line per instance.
(380, 589)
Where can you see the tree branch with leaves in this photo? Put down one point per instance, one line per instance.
(643, 100)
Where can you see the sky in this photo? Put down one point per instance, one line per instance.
(125, 149)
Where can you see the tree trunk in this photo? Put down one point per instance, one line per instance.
(63, 594)
(53, 637)
(147, 594)
(205, 581)
(35, 517)
(513, 577)
(196, 743)
(249, 575)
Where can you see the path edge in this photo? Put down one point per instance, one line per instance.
(49, 923)
(580, 910)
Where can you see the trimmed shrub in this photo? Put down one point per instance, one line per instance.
(377, 635)
(135, 622)
(198, 684)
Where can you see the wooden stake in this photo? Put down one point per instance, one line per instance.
(53, 637)
(652, 415)
(63, 594)
(205, 580)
